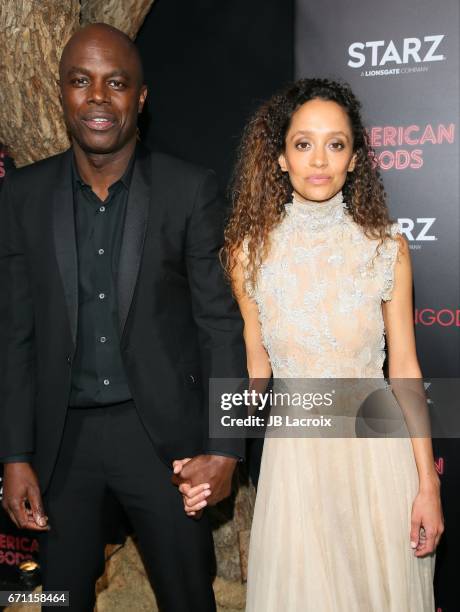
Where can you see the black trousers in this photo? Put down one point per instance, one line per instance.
(106, 452)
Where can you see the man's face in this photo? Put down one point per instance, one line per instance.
(101, 92)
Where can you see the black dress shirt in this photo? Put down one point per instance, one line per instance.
(98, 376)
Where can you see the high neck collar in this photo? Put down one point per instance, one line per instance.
(318, 215)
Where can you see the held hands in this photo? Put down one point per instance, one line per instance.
(194, 497)
(21, 497)
(203, 480)
(427, 523)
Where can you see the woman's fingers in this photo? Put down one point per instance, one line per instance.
(194, 498)
(191, 492)
(415, 532)
(178, 464)
(427, 541)
(196, 508)
(197, 502)
(422, 543)
(191, 511)
(427, 523)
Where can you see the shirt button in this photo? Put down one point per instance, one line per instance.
(101, 251)
(106, 382)
(102, 208)
(102, 338)
(101, 296)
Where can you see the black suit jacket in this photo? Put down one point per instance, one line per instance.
(178, 323)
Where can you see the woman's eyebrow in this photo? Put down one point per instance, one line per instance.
(310, 133)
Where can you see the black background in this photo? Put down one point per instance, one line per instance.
(208, 65)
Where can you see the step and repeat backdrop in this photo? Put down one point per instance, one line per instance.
(402, 61)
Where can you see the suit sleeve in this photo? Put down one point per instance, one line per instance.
(215, 312)
(17, 354)
(17, 459)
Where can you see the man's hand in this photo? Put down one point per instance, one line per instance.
(22, 499)
(203, 480)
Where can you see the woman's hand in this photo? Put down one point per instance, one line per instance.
(427, 521)
(194, 498)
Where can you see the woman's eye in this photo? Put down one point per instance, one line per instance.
(302, 146)
(338, 146)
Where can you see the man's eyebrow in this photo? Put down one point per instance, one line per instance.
(80, 70)
(77, 69)
(119, 73)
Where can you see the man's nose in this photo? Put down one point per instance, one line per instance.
(99, 94)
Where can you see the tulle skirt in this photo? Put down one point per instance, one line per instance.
(331, 528)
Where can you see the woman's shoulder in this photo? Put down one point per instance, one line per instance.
(394, 233)
(395, 239)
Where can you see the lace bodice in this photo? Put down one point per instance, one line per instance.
(320, 293)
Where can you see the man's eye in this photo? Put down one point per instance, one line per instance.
(117, 84)
(79, 81)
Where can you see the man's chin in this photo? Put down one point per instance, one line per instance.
(100, 145)
(99, 148)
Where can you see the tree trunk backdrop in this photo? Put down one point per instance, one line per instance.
(33, 35)
(124, 15)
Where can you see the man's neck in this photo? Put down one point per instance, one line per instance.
(102, 170)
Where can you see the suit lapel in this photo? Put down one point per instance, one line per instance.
(135, 226)
(64, 239)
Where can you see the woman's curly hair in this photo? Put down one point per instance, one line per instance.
(259, 189)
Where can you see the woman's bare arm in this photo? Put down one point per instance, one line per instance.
(404, 366)
(258, 362)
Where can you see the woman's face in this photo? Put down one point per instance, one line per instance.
(318, 150)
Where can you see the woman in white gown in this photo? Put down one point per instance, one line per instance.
(341, 524)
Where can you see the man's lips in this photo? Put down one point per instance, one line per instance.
(99, 123)
(318, 179)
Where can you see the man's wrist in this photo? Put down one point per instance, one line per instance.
(237, 458)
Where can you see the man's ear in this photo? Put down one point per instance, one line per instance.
(282, 162)
(352, 164)
(142, 97)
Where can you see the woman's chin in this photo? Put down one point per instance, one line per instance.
(317, 193)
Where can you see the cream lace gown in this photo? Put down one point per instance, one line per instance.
(332, 518)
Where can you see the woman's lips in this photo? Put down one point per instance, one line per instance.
(99, 124)
(318, 179)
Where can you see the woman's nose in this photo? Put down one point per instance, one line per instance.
(318, 158)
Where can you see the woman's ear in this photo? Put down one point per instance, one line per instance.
(352, 164)
(282, 163)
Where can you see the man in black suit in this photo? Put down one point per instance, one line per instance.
(114, 314)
